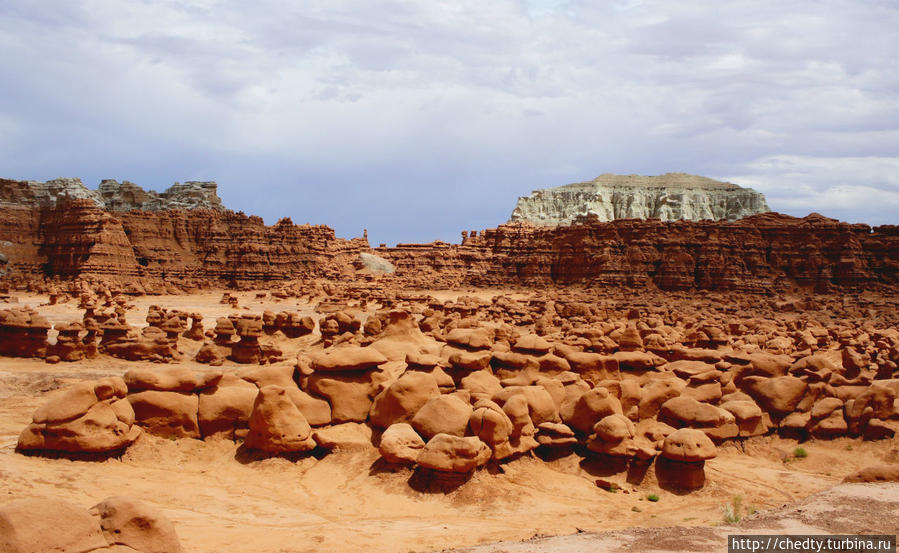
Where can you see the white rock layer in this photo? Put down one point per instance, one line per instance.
(668, 197)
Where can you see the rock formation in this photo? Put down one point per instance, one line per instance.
(754, 254)
(204, 247)
(111, 195)
(668, 197)
(87, 417)
(117, 523)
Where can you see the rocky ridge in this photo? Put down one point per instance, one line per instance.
(755, 254)
(111, 195)
(668, 197)
(76, 238)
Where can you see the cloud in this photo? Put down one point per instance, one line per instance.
(841, 187)
(417, 118)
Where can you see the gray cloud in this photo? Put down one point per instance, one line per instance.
(420, 119)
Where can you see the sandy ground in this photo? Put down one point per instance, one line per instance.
(221, 499)
(863, 509)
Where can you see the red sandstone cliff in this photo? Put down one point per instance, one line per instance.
(752, 254)
(209, 247)
(197, 247)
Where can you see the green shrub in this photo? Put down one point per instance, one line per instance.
(800, 453)
(652, 497)
(732, 510)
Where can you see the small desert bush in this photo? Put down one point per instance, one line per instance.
(800, 453)
(652, 497)
(732, 509)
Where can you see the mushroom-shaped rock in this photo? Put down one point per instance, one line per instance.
(400, 444)
(682, 463)
(448, 453)
(276, 424)
(688, 445)
(68, 346)
(224, 328)
(445, 414)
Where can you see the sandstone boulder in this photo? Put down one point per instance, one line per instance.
(402, 399)
(347, 358)
(276, 424)
(400, 444)
(87, 417)
(448, 453)
(128, 522)
(445, 414)
(36, 525)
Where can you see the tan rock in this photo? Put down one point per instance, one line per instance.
(35, 525)
(688, 445)
(276, 424)
(402, 399)
(448, 453)
(167, 413)
(347, 358)
(132, 523)
(400, 444)
(445, 414)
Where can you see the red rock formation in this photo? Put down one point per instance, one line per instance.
(201, 247)
(752, 254)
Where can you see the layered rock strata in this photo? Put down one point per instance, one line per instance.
(754, 254)
(668, 197)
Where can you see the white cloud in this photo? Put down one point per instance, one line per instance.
(833, 186)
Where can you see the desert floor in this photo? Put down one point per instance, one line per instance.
(223, 500)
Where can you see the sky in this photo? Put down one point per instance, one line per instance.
(419, 119)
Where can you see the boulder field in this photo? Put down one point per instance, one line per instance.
(646, 389)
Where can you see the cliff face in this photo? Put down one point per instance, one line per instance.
(197, 247)
(753, 254)
(202, 247)
(668, 197)
(111, 195)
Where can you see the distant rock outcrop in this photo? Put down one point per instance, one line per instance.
(668, 197)
(111, 195)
